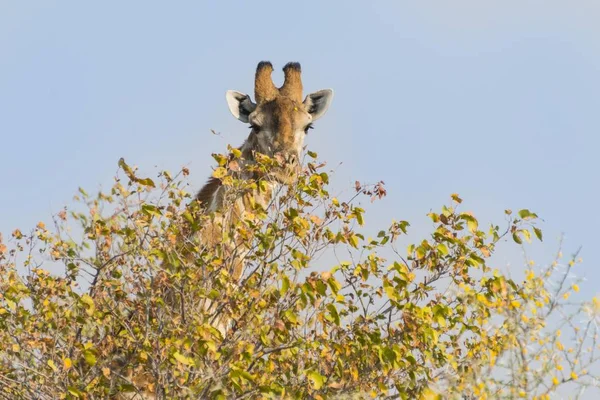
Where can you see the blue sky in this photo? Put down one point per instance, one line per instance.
(498, 102)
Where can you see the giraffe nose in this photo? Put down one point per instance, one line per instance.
(292, 158)
(286, 158)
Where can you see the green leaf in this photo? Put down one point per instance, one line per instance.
(538, 233)
(146, 182)
(240, 373)
(89, 357)
(151, 210)
(291, 316)
(353, 241)
(443, 249)
(516, 238)
(74, 391)
(316, 379)
(183, 359)
(335, 317)
(526, 214)
(358, 213)
(334, 285)
(472, 223)
(127, 169)
(285, 285)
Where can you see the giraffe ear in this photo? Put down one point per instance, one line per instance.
(239, 104)
(317, 103)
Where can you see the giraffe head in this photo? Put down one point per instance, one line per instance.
(279, 119)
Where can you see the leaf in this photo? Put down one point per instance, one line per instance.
(285, 285)
(516, 238)
(247, 376)
(126, 168)
(219, 173)
(456, 198)
(391, 292)
(316, 379)
(335, 317)
(472, 223)
(146, 182)
(526, 214)
(291, 316)
(429, 394)
(52, 365)
(89, 302)
(183, 359)
(237, 153)
(74, 391)
(538, 233)
(151, 210)
(442, 248)
(89, 357)
(353, 241)
(334, 285)
(359, 217)
(527, 235)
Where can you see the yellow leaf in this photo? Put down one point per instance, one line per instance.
(429, 394)
(353, 240)
(574, 376)
(219, 173)
(89, 302)
(52, 365)
(67, 363)
(183, 359)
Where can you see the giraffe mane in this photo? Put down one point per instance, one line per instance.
(205, 195)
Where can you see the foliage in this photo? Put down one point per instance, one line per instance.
(137, 307)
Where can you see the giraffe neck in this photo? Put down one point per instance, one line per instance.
(231, 207)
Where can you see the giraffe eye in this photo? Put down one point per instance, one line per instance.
(254, 127)
(309, 126)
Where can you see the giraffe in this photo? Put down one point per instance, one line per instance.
(279, 122)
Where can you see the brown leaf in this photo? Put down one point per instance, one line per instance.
(62, 215)
(234, 166)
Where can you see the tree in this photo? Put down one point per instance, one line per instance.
(135, 310)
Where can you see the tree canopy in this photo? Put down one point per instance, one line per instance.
(128, 313)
